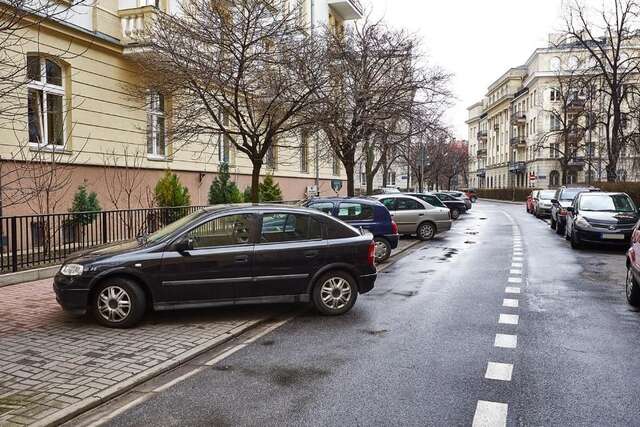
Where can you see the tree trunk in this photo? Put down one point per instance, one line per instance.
(349, 168)
(255, 181)
(370, 178)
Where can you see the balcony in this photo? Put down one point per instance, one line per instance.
(482, 151)
(481, 173)
(347, 9)
(482, 135)
(135, 23)
(576, 162)
(518, 141)
(517, 167)
(575, 104)
(496, 126)
(519, 118)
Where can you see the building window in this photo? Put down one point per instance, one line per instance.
(224, 142)
(45, 111)
(554, 150)
(336, 165)
(554, 122)
(304, 154)
(554, 179)
(156, 132)
(391, 178)
(272, 157)
(554, 95)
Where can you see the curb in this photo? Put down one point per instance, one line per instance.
(105, 395)
(112, 392)
(502, 201)
(35, 274)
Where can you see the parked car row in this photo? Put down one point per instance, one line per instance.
(589, 216)
(324, 253)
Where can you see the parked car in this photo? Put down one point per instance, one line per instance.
(387, 190)
(561, 201)
(471, 194)
(223, 255)
(414, 216)
(542, 203)
(632, 283)
(456, 206)
(531, 201)
(460, 196)
(367, 213)
(429, 198)
(601, 217)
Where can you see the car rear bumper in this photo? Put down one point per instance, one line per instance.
(393, 239)
(588, 236)
(366, 282)
(69, 296)
(443, 226)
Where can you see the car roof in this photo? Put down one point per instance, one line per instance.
(364, 200)
(255, 207)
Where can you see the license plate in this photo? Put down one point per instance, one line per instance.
(613, 236)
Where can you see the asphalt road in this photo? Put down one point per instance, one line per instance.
(416, 350)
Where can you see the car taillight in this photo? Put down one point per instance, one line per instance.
(394, 227)
(371, 258)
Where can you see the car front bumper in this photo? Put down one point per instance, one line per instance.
(590, 236)
(544, 211)
(72, 293)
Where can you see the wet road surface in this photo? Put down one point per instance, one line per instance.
(497, 321)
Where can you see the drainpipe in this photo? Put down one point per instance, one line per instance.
(317, 145)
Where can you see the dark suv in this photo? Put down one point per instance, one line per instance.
(369, 214)
(223, 255)
(561, 201)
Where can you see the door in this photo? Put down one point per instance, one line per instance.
(218, 263)
(408, 213)
(289, 251)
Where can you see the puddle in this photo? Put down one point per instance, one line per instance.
(470, 242)
(405, 293)
(267, 343)
(294, 376)
(374, 332)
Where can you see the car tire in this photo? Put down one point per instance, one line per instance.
(426, 231)
(575, 242)
(474, 199)
(384, 246)
(334, 293)
(559, 228)
(455, 213)
(632, 290)
(118, 303)
(554, 224)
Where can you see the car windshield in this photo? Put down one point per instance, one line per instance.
(607, 203)
(570, 193)
(546, 195)
(169, 229)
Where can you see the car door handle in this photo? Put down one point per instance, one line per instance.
(311, 254)
(420, 214)
(242, 259)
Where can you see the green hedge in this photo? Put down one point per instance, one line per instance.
(631, 188)
(517, 195)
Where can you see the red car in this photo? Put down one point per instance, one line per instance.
(531, 198)
(471, 194)
(632, 283)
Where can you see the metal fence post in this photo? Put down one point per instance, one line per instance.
(104, 227)
(14, 244)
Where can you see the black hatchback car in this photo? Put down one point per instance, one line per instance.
(223, 255)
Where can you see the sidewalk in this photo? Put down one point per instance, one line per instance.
(54, 366)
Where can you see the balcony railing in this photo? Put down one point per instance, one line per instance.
(496, 126)
(347, 9)
(135, 24)
(519, 118)
(575, 104)
(518, 141)
(576, 162)
(482, 135)
(517, 167)
(482, 152)
(481, 173)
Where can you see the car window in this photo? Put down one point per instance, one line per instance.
(389, 203)
(287, 227)
(339, 230)
(607, 202)
(443, 196)
(432, 200)
(326, 207)
(407, 204)
(224, 231)
(569, 193)
(349, 211)
(171, 228)
(546, 194)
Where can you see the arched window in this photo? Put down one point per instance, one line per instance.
(554, 179)
(573, 63)
(45, 106)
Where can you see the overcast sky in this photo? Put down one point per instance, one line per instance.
(476, 40)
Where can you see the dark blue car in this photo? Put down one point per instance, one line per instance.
(367, 213)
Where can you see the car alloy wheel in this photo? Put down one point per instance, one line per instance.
(114, 304)
(383, 250)
(426, 231)
(455, 213)
(335, 293)
(632, 290)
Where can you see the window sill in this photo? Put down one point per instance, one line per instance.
(49, 149)
(153, 158)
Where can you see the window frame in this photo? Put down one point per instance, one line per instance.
(252, 219)
(152, 123)
(46, 88)
(309, 219)
(362, 206)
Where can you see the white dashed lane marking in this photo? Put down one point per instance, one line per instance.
(508, 319)
(499, 371)
(512, 290)
(514, 271)
(490, 414)
(508, 302)
(506, 341)
(517, 259)
(514, 280)
(516, 265)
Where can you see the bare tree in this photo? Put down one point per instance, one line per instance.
(243, 69)
(377, 80)
(610, 36)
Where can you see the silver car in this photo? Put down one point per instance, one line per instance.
(460, 196)
(414, 216)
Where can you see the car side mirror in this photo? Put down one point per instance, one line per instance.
(554, 201)
(184, 245)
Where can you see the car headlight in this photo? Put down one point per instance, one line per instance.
(583, 223)
(72, 269)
